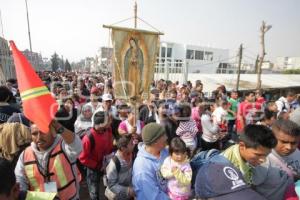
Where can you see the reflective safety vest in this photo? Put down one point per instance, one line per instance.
(59, 170)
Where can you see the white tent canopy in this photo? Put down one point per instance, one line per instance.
(247, 81)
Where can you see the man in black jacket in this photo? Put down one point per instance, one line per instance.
(147, 113)
(167, 122)
(6, 110)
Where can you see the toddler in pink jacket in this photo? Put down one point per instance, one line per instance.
(177, 170)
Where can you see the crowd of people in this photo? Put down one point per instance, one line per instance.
(181, 143)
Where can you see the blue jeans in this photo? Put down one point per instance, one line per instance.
(93, 178)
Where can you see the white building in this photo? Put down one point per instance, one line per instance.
(103, 60)
(285, 63)
(94, 64)
(7, 67)
(198, 59)
(47, 64)
(232, 68)
(88, 63)
(267, 65)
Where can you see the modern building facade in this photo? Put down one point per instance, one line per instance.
(7, 67)
(103, 60)
(197, 59)
(286, 63)
(35, 59)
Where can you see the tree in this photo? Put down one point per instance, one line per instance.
(292, 71)
(68, 67)
(55, 62)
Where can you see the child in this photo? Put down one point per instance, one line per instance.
(177, 170)
(119, 171)
(211, 132)
(219, 117)
(187, 129)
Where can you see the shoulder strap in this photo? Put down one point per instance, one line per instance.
(282, 164)
(284, 106)
(91, 138)
(117, 163)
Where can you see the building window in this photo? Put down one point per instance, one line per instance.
(169, 52)
(190, 54)
(163, 52)
(199, 55)
(178, 63)
(208, 56)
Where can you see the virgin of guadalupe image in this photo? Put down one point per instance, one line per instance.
(133, 69)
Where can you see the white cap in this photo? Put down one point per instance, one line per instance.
(107, 97)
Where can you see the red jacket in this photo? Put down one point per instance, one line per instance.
(260, 100)
(246, 110)
(103, 146)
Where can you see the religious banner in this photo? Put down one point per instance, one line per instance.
(134, 58)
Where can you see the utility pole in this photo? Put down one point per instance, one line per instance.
(28, 26)
(134, 99)
(135, 14)
(256, 64)
(263, 29)
(239, 67)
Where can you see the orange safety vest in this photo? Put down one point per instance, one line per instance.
(59, 171)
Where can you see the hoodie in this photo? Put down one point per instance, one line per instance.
(270, 181)
(187, 131)
(145, 179)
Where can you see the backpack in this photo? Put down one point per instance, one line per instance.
(201, 158)
(92, 141)
(117, 162)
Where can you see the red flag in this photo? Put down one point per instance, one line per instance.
(38, 104)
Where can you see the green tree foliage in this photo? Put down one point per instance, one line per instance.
(292, 71)
(68, 67)
(55, 62)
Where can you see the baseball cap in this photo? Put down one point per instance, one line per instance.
(94, 90)
(223, 181)
(107, 97)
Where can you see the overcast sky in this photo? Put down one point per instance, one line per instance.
(73, 28)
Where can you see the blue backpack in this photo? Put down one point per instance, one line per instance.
(203, 157)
